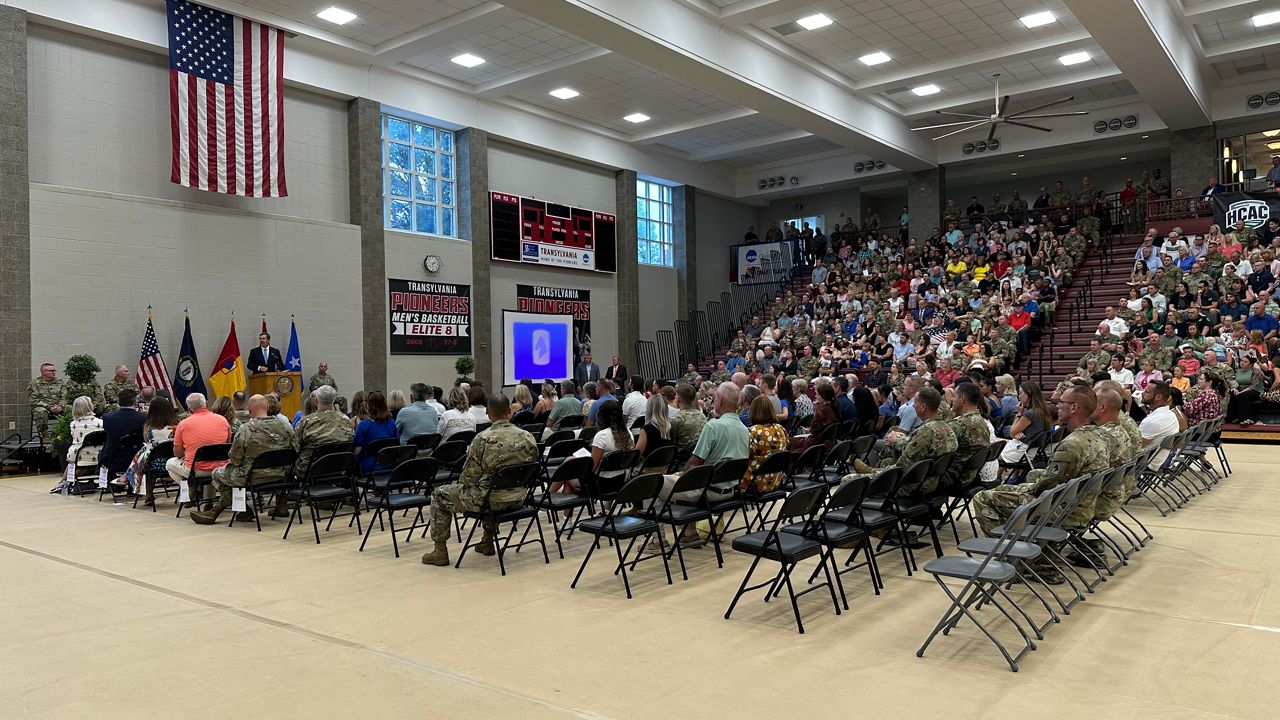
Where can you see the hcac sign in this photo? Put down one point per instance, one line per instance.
(1254, 213)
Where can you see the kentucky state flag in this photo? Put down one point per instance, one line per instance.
(188, 378)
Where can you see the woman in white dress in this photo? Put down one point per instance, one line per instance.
(457, 418)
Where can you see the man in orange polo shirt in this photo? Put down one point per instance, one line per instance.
(197, 430)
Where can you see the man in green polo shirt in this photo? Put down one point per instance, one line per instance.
(723, 438)
(566, 406)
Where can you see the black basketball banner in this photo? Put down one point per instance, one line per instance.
(429, 318)
(561, 301)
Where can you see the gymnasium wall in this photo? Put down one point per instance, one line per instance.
(720, 224)
(110, 234)
(529, 173)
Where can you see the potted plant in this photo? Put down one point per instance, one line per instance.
(464, 366)
(82, 379)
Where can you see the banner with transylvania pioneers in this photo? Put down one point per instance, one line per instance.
(429, 318)
(562, 301)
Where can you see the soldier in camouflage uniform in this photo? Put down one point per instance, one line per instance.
(721, 373)
(1244, 234)
(325, 425)
(1089, 225)
(1083, 451)
(321, 378)
(501, 445)
(871, 221)
(971, 431)
(1123, 441)
(1017, 208)
(686, 424)
(111, 391)
(1060, 197)
(1159, 185)
(1096, 353)
(951, 213)
(931, 440)
(45, 393)
(261, 434)
(808, 365)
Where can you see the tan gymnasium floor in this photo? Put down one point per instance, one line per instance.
(108, 612)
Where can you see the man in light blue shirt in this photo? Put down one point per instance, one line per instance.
(417, 418)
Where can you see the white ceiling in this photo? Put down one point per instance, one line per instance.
(956, 44)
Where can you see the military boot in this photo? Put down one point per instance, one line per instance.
(486, 543)
(438, 557)
(863, 468)
(210, 516)
(282, 507)
(244, 516)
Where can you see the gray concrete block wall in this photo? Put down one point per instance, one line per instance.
(628, 267)
(472, 145)
(364, 150)
(684, 214)
(925, 197)
(15, 223)
(1194, 156)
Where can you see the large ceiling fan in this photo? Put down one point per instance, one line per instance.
(1002, 104)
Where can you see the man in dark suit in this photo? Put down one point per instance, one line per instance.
(124, 433)
(264, 358)
(586, 371)
(616, 371)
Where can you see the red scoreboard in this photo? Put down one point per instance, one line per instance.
(546, 233)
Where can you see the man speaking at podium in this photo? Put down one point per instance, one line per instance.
(264, 358)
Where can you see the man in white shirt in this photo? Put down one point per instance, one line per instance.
(1158, 301)
(1119, 372)
(633, 404)
(1160, 422)
(1118, 326)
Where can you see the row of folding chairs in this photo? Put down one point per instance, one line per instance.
(1038, 535)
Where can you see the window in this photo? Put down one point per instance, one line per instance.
(815, 222)
(653, 223)
(419, 180)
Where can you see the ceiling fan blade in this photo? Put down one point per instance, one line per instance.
(964, 115)
(1047, 115)
(1025, 125)
(1002, 106)
(951, 124)
(963, 129)
(992, 135)
(1059, 101)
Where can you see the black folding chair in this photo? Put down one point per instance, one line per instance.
(384, 464)
(373, 449)
(777, 463)
(330, 479)
(464, 436)
(834, 529)
(154, 475)
(809, 468)
(983, 580)
(425, 443)
(481, 427)
(574, 469)
(787, 549)
(511, 477)
(681, 515)
(616, 527)
(558, 452)
(658, 460)
(196, 484)
(85, 465)
(281, 459)
(729, 497)
(956, 498)
(447, 455)
(598, 487)
(129, 446)
(571, 422)
(407, 488)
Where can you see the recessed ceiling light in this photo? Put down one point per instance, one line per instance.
(1144, 137)
(923, 90)
(1273, 145)
(336, 15)
(636, 118)
(564, 93)
(875, 58)
(1074, 58)
(468, 60)
(1013, 173)
(1124, 157)
(1270, 133)
(1266, 18)
(1037, 19)
(1022, 154)
(815, 21)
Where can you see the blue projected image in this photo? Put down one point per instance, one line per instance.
(540, 349)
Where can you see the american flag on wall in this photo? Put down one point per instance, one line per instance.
(151, 369)
(226, 106)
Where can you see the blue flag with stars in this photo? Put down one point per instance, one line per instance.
(293, 358)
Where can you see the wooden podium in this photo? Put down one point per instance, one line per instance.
(288, 385)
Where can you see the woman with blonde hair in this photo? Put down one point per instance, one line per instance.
(547, 399)
(656, 433)
(83, 422)
(457, 418)
(396, 400)
(522, 399)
